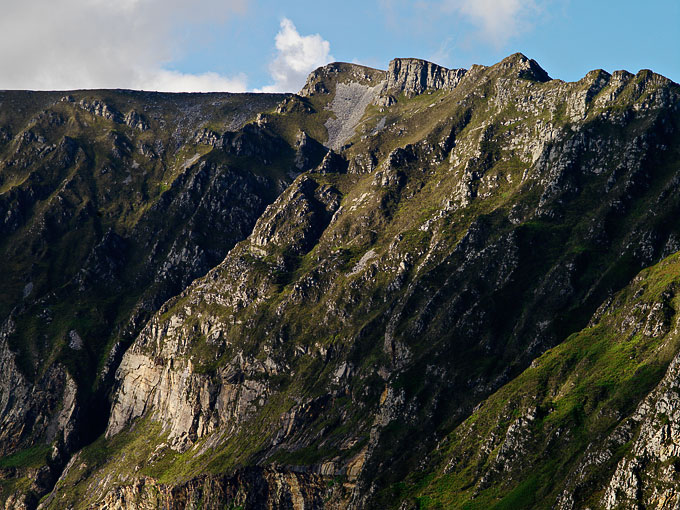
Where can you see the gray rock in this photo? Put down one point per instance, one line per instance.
(414, 76)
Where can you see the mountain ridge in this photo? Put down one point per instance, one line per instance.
(392, 284)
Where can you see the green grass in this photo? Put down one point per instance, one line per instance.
(34, 456)
(600, 368)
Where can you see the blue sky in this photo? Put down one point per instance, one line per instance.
(272, 45)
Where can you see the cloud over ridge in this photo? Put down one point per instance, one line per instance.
(297, 56)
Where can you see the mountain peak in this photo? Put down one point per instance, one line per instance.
(323, 79)
(524, 67)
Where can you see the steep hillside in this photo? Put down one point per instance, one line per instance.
(440, 311)
(112, 202)
(591, 424)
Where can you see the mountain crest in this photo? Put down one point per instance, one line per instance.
(523, 67)
(416, 287)
(414, 76)
(324, 79)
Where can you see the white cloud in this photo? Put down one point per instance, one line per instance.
(297, 56)
(69, 44)
(497, 20)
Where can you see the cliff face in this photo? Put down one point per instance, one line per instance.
(267, 489)
(441, 306)
(647, 476)
(414, 76)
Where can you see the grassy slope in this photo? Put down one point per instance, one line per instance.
(577, 392)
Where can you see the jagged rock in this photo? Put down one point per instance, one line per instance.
(331, 163)
(209, 137)
(413, 76)
(136, 121)
(101, 109)
(307, 151)
(647, 476)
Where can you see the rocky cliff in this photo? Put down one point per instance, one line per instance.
(112, 203)
(414, 76)
(444, 303)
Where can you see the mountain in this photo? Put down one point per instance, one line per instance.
(412, 288)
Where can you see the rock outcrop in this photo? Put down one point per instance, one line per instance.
(647, 476)
(413, 76)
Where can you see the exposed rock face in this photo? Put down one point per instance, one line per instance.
(413, 76)
(27, 408)
(191, 404)
(253, 489)
(250, 489)
(647, 477)
(135, 120)
(46, 408)
(101, 109)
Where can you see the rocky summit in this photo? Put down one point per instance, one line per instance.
(414, 288)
